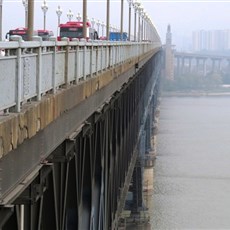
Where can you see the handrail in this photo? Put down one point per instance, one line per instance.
(30, 69)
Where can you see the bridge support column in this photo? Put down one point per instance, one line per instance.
(197, 65)
(178, 66)
(190, 65)
(213, 64)
(182, 65)
(204, 67)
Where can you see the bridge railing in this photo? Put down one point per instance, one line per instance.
(31, 69)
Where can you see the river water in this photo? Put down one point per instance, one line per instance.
(192, 169)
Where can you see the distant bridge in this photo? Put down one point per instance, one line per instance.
(185, 61)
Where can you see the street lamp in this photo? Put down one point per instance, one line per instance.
(102, 28)
(121, 22)
(107, 19)
(144, 16)
(69, 15)
(59, 13)
(93, 22)
(136, 4)
(140, 9)
(25, 4)
(44, 8)
(130, 4)
(98, 26)
(78, 17)
(0, 20)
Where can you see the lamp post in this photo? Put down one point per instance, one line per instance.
(25, 4)
(69, 15)
(144, 16)
(59, 13)
(140, 10)
(84, 18)
(78, 17)
(30, 19)
(44, 8)
(130, 4)
(136, 4)
(0, 20)
(107, 19)
(93, 22)
(98, 26)
(121, 26)
(102, 28)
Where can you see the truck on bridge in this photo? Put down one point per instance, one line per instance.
(117, 36)
(74, 29)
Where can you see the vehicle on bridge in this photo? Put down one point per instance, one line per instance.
(116, 36)
(74, 29)
(45, 34)
(23, 32)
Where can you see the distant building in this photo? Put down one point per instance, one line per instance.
(211, 40)
(169, 56)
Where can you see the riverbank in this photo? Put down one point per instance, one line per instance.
(194, 93)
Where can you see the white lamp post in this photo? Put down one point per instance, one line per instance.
(98, 26)
(140, 9)
(44, 8)
(130, 4)
(93, 22)
(25, 4)
(136, 5)
(59, 13)
(78, 17)
(102, 28)
(69, 15)
(1, 20)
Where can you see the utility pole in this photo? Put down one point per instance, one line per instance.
(84, 17)
(1, 20)
(107, 19)
(30, 19)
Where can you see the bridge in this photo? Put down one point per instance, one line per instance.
(179, 63)
(75, 125)
(186, 62)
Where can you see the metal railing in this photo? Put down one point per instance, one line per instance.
(31, 69)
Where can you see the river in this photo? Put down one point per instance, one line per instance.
(192, 168)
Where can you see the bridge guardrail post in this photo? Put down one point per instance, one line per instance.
(54, 64)
(91, 60)
(39, 67)
(107, 56)
(66, 68)
(76, 60)
(19, 72)
(102, 61)
(97, 52)
(83, 43)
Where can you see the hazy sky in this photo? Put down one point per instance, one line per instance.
(184, 16)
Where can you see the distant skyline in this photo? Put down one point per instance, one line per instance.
(188, 16)
(183, 16)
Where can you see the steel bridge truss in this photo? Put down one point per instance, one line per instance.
(83, 183)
